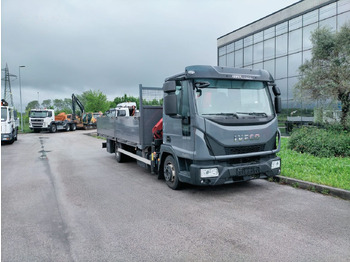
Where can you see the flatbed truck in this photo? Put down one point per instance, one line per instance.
(217, 125)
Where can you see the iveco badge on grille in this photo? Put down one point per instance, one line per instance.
(246, 137)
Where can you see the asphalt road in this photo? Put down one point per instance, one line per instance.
(64, 198)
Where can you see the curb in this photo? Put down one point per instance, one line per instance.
(326, 190)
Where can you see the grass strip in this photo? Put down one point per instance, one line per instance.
(332, 171)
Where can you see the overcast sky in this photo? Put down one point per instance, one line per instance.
(71, 46)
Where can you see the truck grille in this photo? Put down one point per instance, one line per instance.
(37, 122)
(244, 149)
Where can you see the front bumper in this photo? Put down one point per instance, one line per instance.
(233, 173)
(6, 137)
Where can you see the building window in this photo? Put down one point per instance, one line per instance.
(239, 44)
(294, 61)
(269, 33)
(222, 51)
(295, 23)
(328, 11)
(230, 48)
(258, 37)
(281, 67)
(281, 45)
(330, 23)
(343, 6)
(307, 31)
(248, 40)
(310, 18)
(269, 49)
(343, 19)
(258, 52)
(282, 28)
(239, 58)
(222, 60)
(295, 41)
(231, 59)
(248, 55)
(270, 67)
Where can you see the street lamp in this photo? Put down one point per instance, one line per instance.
(20, 95)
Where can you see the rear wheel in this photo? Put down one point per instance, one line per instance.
(118, 155)
(68, 127)
(73, 127)
(171, 173)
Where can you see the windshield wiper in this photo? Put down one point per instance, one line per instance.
(253, 113)
(223, 114)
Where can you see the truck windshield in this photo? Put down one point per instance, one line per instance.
(3, 114)
(236, 98)
(38, 114)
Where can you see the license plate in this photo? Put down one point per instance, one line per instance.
(247, 171)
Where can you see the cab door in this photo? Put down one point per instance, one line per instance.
(177, 128)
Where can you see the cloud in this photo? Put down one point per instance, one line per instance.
(70, 46)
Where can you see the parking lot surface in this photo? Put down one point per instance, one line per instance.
(64, 198)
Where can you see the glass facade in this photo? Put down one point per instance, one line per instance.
(282, 48)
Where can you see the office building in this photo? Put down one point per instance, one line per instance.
(280, 42)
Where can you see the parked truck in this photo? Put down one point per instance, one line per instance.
(9, 123)
(45, 120)
(123, 109)
(217, 125)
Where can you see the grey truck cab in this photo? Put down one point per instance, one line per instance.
(220, 126)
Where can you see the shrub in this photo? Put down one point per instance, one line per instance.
(321, 142)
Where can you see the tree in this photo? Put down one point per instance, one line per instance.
(94, 101)
(58, 104)
(32, 105)
(327, 74)
(46, 103)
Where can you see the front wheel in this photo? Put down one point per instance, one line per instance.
(53, 128)
(171, 173)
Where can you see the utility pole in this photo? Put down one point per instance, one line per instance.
(20, 94)
(7, 90)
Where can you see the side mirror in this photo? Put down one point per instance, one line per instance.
(170, 105)
(276, 91)
(278, 104)
(169, 86)
(49, 114)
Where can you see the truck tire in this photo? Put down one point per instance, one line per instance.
(13, 139)
(16, 136)
(120, 157)
(67, 127)
(53, 128)
(171, 173)
(73, 127)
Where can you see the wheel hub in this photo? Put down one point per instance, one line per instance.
(169, 172)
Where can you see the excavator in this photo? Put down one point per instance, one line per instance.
(85, 120)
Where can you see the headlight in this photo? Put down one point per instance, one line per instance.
(275, 164)
(209, 172)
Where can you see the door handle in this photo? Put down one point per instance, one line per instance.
(168, 139)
